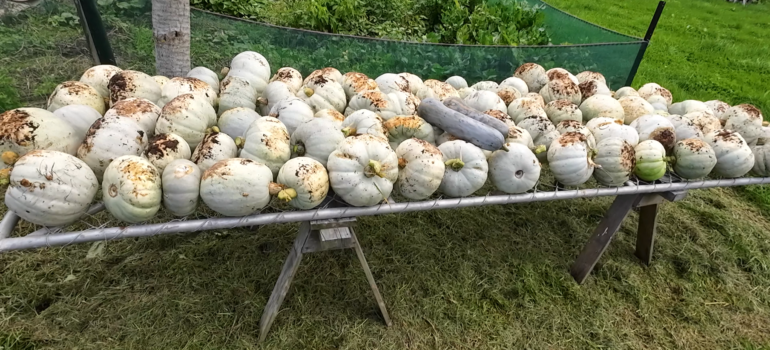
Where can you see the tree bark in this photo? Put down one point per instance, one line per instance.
(171, 30)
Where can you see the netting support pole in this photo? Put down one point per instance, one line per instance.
(96, 35)
(647, 37)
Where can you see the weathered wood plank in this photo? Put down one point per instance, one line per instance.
(370, 279)
(645, 235)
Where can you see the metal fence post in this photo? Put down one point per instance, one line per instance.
(96, 35)
(647, 37)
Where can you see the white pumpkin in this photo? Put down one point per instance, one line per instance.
(693, 159)
(761, 160)
(514, 171)
(461, 92)
(656, 127)
(98, 77)
(181, 180)
(251, 67)
(142, 111)
(537, 97)
(289, 76)
(26, 129)
(404, 127)
(267, 141)
(457, 82)
(292, 113)
(330, 114)
(634, 107)
(50, 188)
(706, 122)
(421, 168)
(316, 139)
(234, 122)
(501, 116)
(236, 92)
(215, 146)
(390, 82)
(274, 92)
(524, 108)
(650, 90)
(688, 106)
(375, 101)
(437, 89)
(614, 128)
(363, 122)
(328, 73)
(734, 157)
(486, 85)
(533, 74)
(130, 83)
(446, 137)
(616, 160)
(303, 183)
(180, 86)
(236, 186)
(320, 93)
(516, 83)
(159, 79)
(746, 120)
(465, 169)
(108, 139)
(575, 126)
(507, 94)
(206, 75)
(765, 138)
(355, 82)
(602, 106)
(570, 159)
(80, 117)
(589, 75)
(593, 87)
(561, 89)
(166, 148)
(625, 91)
(718, 108)
(650, 160)
(560, 73)
(406, 102)
(131, 189)
(517, 134)
(561, 110)
(684, 128)
(188, 116)
(542, 131)
(362, 170)
(75, 93)
(415, 83)
(485, 100)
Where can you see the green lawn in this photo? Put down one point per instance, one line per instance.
(483, 278)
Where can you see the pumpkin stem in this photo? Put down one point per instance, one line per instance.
(765, 123)
(299, 149)
(539, 149)
(308, 91)
(287, 195)
(5, 176)
(455, 164)
(402, 163)
(262, 101)
(504, 148)
(374, 168)
(239, 142)
(275, 188)
(671, 159)
(9, 157)
(224, 71)
(348, 131)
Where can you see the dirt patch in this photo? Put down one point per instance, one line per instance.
(359, 81)
(570, 138)
(589, 88)
(222, 169)
(627, 157)
(694, 144)
(508, 94)
(753, 112)
(526, 67)
(17, 127)
(376, 99)
(728, 136)
(178, 104)
(78, 88)
(499, 115)
(137, 171)
(665, 136)
(403, 121)
(120, 86)
(563, 87)
(285, 74)
(161, 145)
(440, 88)
(133, 106)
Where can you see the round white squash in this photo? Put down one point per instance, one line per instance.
(589, 75)
(26, 129)
(461, 93)
(507, 94)
(215, 146)
(80, 117)
(206, 75)
(598, 106)
(570, 160)
(574, 126)
(542, 131)
(236, 92)
(514, 171)
(289, 76)
(688, 106)
(634, 107)
(438, 89)
(267, 142)
(251, 67)
(718, 108)
(761, 160)
(180, 86)
(650, 160)
(131, 189)
(593, 87)
(142, 111)
(362, 170)
(684, 128)
(108, 139)
(734, 157)
(525, 107)
(613, 128)
(650, 90)
(404, 127)
(746, 120)
(559, 73)
(518, 135)
(706, 122)
(98, 77)
(457, 82)
(516, 83)
(188, 116)
(415, 83)
(355, 82)
(316, 139)
(375, 101)
(363, 122)
(485, 100)
(390, 82)
(693, 159)
(129, 83)
(656, 127)
(625, 91)
(331, 115)
(421, 168)
(75, 93)
(181, 180)
(166, 148)
(533, 74)
(465, 169)
(486, 85)
(561, 89)
(303, 182)
(561, 110)
(236, 186)
(328, 73)
(275, 92)
(292, 112)
(50, 188)
(234, 122)
(320, 93)
(616, 160)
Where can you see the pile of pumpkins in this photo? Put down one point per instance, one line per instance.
(151, 141)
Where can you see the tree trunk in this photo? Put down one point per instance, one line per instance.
(171, 30)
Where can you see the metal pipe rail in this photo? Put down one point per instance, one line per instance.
(112, 233)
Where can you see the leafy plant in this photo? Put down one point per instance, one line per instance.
(64, 19)
(9, 96)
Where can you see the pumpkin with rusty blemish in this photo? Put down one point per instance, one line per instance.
(420, 169)
(267, 142)
(593, 87)
(328, 73)
(516, 83)
(615, 159)
(603, 128)
(26, 129)
(215, 146)
(734, 156)
(302, 182)
(316, 139)
(514, 171)
(375, 101)
(188, 116)
(570, 159)
(653, 92)
(693, 159)
(525, 107)
(75, 93)
(236, 121)
(438, 90)
(206, 75)
(656, 127)
(705, 121)
(108, 139)
(236, 186)
(415, 83)
(718, 108)
(321, 93)
(533, 74)
(746, 120)
(486, 85)
(144, 112)
(131, 189)
(130, 83)
(560, 73)
(684, 128)
(465, 170)
(508, 95)
(98, 77)
(590, 75)
(181, 181)
(180, 86)
(80, 117)
(404, 127)
(650, 160)
(50, 188)
(362, 170)
(634, 107)
(355, 82)
(289, 76)
(390, 82)
(574, 126)
(166, 148)
(236, 92)
(161, 80)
